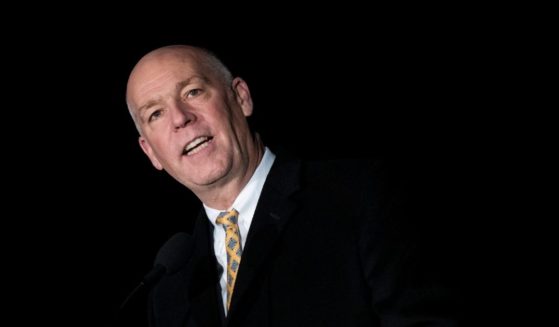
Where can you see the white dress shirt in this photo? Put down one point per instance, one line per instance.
(245, 204)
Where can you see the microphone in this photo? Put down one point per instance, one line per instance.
(172, 256)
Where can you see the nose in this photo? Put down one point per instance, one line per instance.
(181, 116)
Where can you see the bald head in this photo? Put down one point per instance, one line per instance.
(168, 59)
(192, 119)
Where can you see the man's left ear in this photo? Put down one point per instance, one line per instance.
(242, 95)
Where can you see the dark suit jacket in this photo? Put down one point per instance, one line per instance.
(327, 247)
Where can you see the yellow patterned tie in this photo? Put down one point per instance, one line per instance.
(232, 246)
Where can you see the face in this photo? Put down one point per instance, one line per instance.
(192, 123)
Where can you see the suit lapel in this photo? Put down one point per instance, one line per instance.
(272, 212)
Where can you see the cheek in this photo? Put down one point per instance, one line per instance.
(161, 146)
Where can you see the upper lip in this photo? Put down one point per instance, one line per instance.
(196, 141)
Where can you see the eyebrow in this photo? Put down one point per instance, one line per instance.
(179, 86)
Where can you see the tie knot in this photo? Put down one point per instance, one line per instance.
(228, 218)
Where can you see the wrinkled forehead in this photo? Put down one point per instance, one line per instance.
(160, 63)
(161, 67)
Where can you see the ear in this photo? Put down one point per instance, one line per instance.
(144, 144)
(242, 95)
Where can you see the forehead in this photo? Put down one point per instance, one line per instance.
(155, 73)
(171, 65)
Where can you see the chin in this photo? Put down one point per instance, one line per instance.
(209, 179)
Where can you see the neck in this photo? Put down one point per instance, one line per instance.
(222, 197)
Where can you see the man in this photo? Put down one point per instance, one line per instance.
(280, 242)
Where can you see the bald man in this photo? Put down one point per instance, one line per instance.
(316, 243)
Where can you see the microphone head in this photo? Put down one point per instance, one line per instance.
(175, 253)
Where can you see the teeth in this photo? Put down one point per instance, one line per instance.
(197, 149)
(196, 145)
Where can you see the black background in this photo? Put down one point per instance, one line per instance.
(97, 211)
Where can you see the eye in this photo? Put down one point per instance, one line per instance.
(193, 93)
(155, 115)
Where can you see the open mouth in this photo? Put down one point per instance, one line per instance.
(196, 145)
